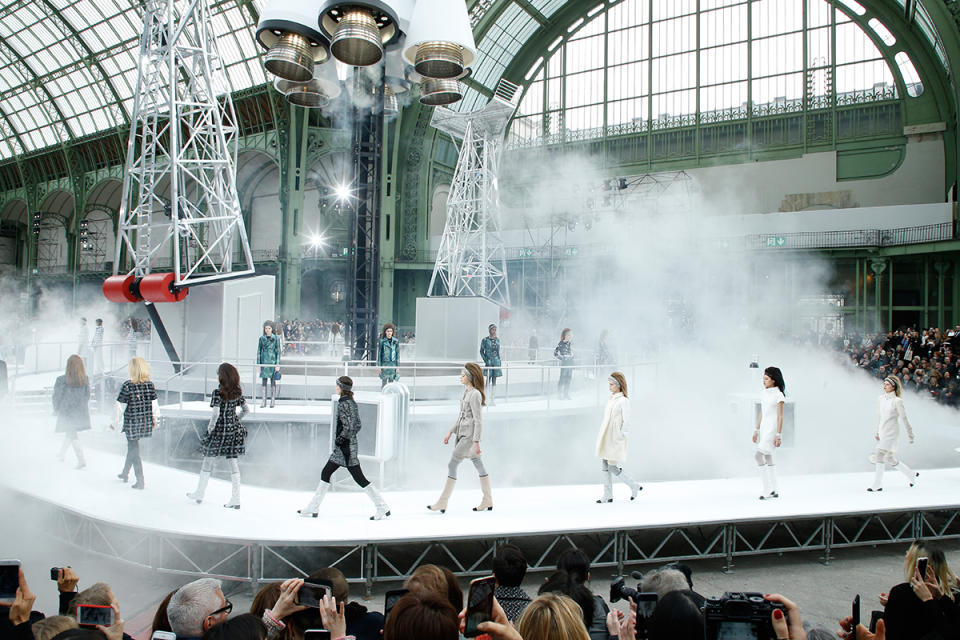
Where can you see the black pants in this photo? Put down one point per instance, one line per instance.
(133, 460)
(491, 379)
(355, 471)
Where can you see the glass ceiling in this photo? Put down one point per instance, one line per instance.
(68, 67)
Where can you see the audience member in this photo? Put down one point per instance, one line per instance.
(553, 617)
(422, 614)
(245, 626)
(361, 623)
(196, 607)
(50, 627)
(510, 567)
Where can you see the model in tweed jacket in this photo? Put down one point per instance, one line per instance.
(344, 454)
(225, 434)
(268, 353)
(388, 355)
(490, 353)
(137, 401)
(468, 429)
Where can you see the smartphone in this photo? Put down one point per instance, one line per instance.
(311, 593)
(875, 616)
(479, 604)
(316, 634)
(922, 567)
(91, 615)
(855, 614)
(391, 599)
(163, 635)
(646, 603)
(9, 579)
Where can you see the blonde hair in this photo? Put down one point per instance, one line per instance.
(76, 374)
(52, 627)
(139, 370)
(552, 617)
(621, 380)
(936, 560)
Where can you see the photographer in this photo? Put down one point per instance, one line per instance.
(577, 564)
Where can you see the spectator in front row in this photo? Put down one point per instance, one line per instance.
(553, 617)
(510, 567)
(196, 607)
(244, 627)
(422, 614)
(577, 564)
(361, 623)
(53, 626)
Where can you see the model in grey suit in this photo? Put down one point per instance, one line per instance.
(467, 429)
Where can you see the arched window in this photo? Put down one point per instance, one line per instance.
(642, 65)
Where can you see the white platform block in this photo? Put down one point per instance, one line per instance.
(218, 322)
(451, 328)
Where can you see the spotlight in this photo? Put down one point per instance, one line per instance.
(317, 241)
(342, 192)
(313, 94)
(360, 29)
(440, 42)
(288, 30)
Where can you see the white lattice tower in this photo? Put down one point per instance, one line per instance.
(471, 260)
(180, 200)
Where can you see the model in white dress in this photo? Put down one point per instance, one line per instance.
(769, 426)
(890, 413)
(612, 439)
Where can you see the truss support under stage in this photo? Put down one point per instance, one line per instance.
(257, 561)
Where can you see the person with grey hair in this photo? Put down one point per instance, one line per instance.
(663, 582)
(197, 606)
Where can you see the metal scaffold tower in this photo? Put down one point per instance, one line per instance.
(179, 205)
(472, 259)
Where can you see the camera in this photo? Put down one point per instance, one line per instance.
(620, 591)
(739, 616)
(55, 573)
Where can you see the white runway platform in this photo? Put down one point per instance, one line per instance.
(159, 527)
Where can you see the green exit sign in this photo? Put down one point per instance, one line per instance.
(571, 251)
(776, 241)
(525, 252)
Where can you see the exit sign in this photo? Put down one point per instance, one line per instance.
(776, 241)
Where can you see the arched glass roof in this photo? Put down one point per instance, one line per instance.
(68, 67)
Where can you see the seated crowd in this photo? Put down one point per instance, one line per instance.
(318, 337)
(431, 607)
(925, 361)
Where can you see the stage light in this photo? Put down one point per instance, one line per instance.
(317, 240)
(360, 29)
(440, 41)
(313, 94)
(288, 30)
(341, 192)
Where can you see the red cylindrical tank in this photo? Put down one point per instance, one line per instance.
(121, 289)
(158, 287)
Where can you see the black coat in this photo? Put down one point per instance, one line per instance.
(72, 406)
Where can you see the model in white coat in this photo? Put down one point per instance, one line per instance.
(891, 413)
(769, 428)
(612, 439)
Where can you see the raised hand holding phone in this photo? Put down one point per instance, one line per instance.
(479, 605)
(288, 603)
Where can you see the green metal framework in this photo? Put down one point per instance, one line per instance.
(512, 35)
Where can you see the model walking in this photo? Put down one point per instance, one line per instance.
(564, 353)
(467, 428)
(612, 439)
(71, 403)
(891, 413)
(388, 355)
(344, 454)
(769, 428)
(268, 353)
(137, 401)
(490, 352)
(225, 435)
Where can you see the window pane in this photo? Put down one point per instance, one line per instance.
(780, 54)
(674, 72)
